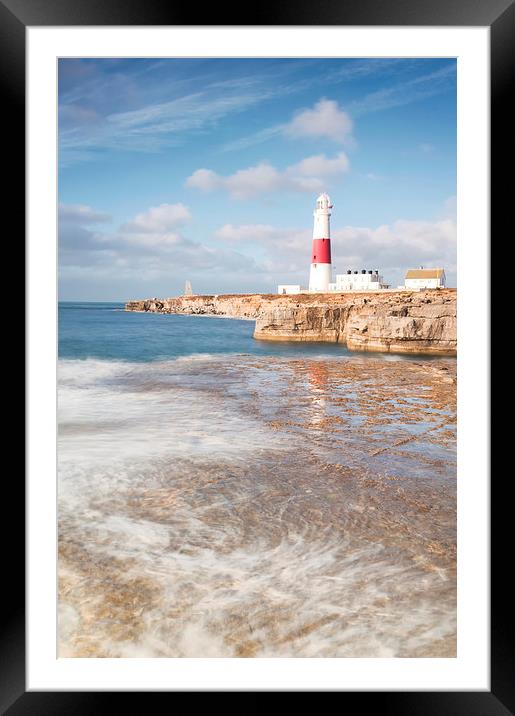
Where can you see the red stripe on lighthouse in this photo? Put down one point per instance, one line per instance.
(321, 251)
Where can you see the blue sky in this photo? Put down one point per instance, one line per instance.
(208, 170)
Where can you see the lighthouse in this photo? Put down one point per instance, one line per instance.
(320, 275)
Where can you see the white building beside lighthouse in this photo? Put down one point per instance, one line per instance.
(321, 271)
(425, 278)
(363, 280)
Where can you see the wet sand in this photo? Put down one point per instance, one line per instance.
(257, 507)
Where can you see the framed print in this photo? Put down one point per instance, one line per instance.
(256, 459)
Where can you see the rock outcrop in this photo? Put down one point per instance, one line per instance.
(232, 306)
(386, 321)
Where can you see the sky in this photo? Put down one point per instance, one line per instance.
(208, 170)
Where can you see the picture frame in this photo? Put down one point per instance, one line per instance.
(15, 17)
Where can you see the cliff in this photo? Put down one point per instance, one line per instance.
(386, 321)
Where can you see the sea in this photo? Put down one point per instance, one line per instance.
(106, 331)
(220, 496)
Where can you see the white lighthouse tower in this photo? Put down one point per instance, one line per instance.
(320, 275)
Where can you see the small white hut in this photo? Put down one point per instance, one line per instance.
(425, 278)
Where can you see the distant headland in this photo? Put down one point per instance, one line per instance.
(391, 321)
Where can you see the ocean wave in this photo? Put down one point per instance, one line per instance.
(214, 506)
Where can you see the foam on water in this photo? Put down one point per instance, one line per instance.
(119, 412)
(212, 506)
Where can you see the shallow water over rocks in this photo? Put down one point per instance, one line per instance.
(254, 506)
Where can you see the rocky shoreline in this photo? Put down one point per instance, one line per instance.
(418, 322)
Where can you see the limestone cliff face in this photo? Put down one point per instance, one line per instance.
(397, 322)
(389, 321)
(421, 326)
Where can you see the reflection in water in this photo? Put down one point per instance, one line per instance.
(317, 382)
(257, 507)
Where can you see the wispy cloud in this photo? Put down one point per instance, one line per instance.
(147, 106)
(361, 69)
(407, 92)
(253, 139)
(308, 175)
(155, 126)
(325, 119)
(156, 110)
(329, 119)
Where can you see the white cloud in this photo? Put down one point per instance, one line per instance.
(144, 249)
(158, 219)
(321, 166)
(309, 175)
(246, 257)
(243, 184)
(396, 247)
(81, 214)
(205, 180)
(261, 179)
(326, 119)
(391, 248)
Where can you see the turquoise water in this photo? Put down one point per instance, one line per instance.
(106, 331)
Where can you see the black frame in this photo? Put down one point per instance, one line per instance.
(499, 15)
